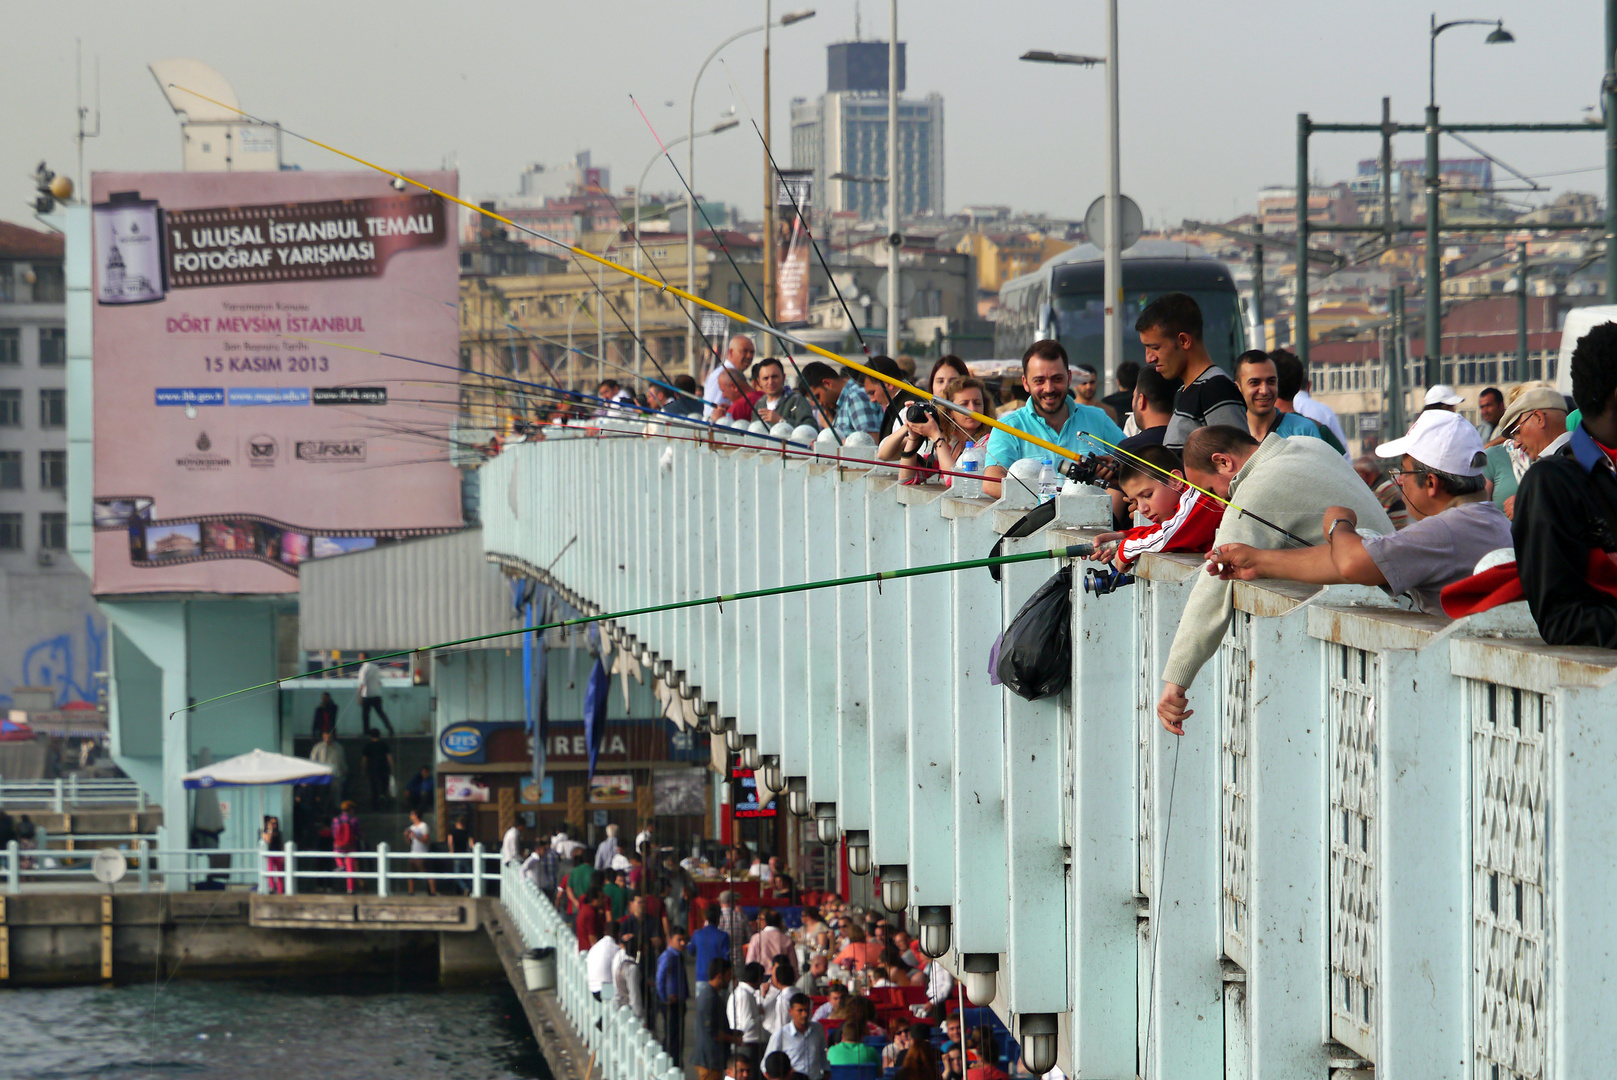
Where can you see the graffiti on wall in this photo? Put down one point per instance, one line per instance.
(65, 664)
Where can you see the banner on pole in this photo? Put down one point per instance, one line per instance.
(793, 201)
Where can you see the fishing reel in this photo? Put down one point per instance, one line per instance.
(1099, 581)
(1096, 470)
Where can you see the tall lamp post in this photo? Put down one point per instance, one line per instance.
(1114, 197)
(1434, 244)
(895, 239)
(722, 125)
(690, 171)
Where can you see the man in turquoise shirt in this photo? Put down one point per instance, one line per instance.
(1049, 414)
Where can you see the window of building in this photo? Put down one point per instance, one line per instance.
(10, 532)
(48, 285)
(52, 346)
(53, 531)
(10, 346)
(53, 470)
(10, 408)
(516, 358)
(52, 408)
(734, 295)
(11, 469)
(466, 358)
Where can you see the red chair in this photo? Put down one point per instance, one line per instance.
(885, 996)
(913, 995)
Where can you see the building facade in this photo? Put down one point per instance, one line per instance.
(50, 633)
(845, 131)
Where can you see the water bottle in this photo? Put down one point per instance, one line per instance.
(1049, 480)
(970, 461)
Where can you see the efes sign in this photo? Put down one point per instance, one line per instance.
(462, 742)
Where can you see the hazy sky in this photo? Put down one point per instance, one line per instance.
(1210, 91)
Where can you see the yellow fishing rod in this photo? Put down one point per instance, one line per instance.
(663, 286)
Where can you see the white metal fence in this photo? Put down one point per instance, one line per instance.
(623, 1047)
(1389, 841)
(70, 793)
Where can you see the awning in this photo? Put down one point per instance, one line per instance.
(257, 768)
(403, 595)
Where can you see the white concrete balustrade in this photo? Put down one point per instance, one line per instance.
(1385, 840)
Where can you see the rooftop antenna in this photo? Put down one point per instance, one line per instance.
(856, 20)
(78, 53)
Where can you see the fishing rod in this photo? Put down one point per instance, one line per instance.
(682, 294)
(681, 418)
(798, 210)
(1071, 551)
(830, 423)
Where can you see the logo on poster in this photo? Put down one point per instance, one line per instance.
(203, 460)
(323, 451)
(262, 451)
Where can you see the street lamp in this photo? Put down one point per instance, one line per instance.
(723, 125)
(1434, 248)
(690, 170)
(1114, 183)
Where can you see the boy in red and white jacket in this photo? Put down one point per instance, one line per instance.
(1182, 518)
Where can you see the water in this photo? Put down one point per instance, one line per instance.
(354, 1029)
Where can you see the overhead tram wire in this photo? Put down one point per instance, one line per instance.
(874, 577)
(830, 423)
(900, 384)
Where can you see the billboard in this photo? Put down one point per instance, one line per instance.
(245, 419)
(793, 219)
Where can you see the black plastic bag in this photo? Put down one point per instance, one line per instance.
(1035, 652)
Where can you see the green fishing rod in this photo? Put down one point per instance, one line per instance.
(1071, 551)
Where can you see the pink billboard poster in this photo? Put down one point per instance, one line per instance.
(247, 417)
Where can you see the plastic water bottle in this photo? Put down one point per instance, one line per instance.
(970, 461)
(1049, 480)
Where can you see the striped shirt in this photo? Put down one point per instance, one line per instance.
(1211, 399)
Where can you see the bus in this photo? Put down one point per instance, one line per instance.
(1063, 299)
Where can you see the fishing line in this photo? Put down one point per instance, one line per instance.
(899, 384)
(830, 424)
(796, 209)
(1069, 552)
(1158, 907)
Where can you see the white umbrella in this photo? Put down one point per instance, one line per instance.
(258, 768)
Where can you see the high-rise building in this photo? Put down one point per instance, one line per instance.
(845, 131)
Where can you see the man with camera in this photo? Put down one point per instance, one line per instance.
(1050, 414)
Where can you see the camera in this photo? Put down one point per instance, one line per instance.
(1095, 470)
(1099, 581)
(919, 412)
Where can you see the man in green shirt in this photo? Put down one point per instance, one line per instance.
(578, 882)
(613, 889)
(852, 1049)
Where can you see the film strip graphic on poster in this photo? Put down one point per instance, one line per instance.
(210, 537)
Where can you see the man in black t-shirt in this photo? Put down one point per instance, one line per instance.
(378, 767)
(1122, 400)
(1170, 328)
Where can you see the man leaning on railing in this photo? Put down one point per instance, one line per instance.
(1565, 523)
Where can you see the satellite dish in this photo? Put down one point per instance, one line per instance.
(1095, 223)
(109, 866)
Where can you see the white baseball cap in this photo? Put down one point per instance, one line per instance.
(1440, 440)
(1442, 394)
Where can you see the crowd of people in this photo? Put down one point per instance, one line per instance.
(784, 990)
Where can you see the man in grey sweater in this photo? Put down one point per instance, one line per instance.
(1288, 482)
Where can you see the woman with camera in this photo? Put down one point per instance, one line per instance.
(933, 438)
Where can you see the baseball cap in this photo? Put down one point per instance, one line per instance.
(1442, 394)
(1440, 440)
(1533, 397)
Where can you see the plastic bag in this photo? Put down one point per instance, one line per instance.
(1035, 652)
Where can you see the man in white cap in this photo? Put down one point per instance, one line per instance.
(1442, 396)
(1440, 474)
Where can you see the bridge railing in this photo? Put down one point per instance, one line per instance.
(624, 1048)
(67, 793)
(1383, 841)
(379, 870)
